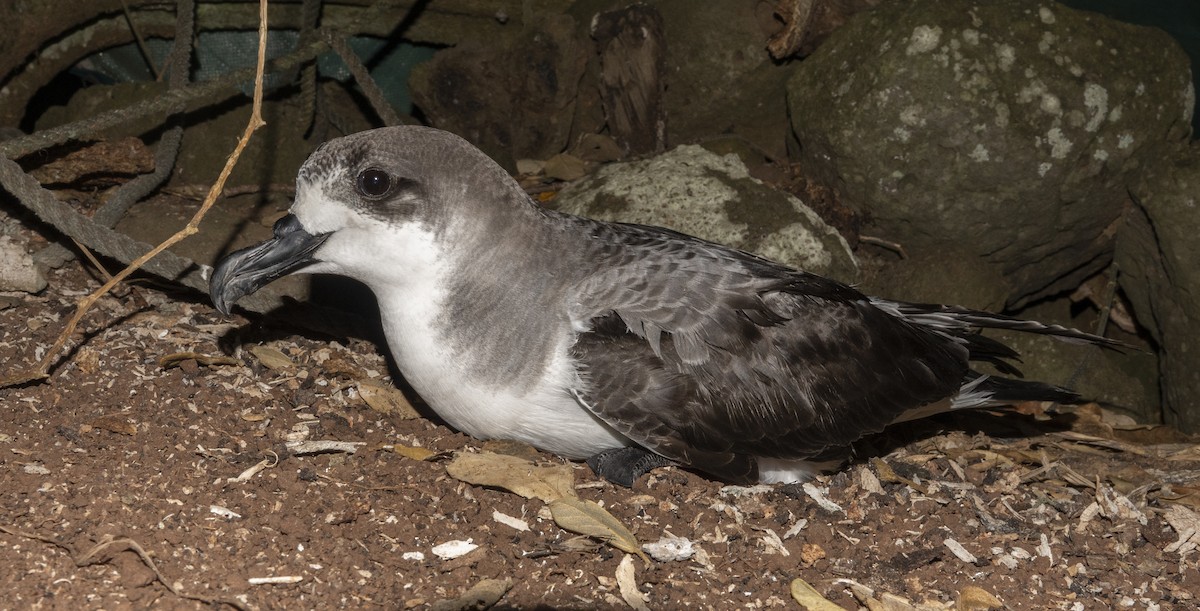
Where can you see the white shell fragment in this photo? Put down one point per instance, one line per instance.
(453, 549)
(670, 548)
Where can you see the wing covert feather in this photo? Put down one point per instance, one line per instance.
(708, 355)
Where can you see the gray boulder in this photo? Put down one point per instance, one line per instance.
(720, 78)
(1011, 128)
(1158, 256)
(697, 192)
(17, 269)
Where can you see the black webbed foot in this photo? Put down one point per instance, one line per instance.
(622, 466)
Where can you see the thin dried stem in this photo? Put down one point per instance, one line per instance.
(41, 371)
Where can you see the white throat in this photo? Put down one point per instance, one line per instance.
(412, 288)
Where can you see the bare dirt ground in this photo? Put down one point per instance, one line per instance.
(159, 467)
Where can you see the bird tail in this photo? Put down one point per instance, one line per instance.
(989, 391)
(962, 325)
(956, 320)
(983, 391)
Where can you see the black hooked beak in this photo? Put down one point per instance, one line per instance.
(249, 269)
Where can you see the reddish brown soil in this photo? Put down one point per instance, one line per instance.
(117, 467)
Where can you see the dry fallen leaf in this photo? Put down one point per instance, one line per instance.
(554, 485)
(115, 424)
(588, 518)
(809, 598)
(627, 583)
(386, 400)
(974, 598)
(1187, 523)
(413, 452)
(516, 475)
(168, 361)
(271, 358)
(482, 595)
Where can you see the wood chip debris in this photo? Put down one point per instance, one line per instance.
(454, 549)
(283, 579)
(958, 550)
(253, 470)
(772, 544)
(302, 448)
(224, 512)
(818, 495)
(510, 521)
(1187, 523)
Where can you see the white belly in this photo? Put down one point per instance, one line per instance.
(546, 416)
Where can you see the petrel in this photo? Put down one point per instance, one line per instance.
(627, 345)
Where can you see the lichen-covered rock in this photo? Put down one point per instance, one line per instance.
(692, 190)
(1158, 256)
(720, 78)
(17, 269)
(1013, 128)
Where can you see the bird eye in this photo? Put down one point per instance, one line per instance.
(374, 182)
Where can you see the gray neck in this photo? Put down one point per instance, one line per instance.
(508, 296)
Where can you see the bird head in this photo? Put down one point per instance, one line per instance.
(376, 206)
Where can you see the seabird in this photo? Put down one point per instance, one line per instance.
(627, 345)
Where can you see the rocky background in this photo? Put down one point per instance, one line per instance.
(1021, 156)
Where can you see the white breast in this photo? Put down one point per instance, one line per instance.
(546, 416)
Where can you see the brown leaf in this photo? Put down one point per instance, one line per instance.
(481, 596)
(271, 358)
(588, 518)
(516, 475)
(168, 361)
(413, 452)
(809, 598)
(115, 424)
(386, 400)
(627, 584)
(974, 598)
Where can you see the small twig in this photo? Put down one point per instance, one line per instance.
(895, 247)
(108, 541)
(43, 367)
(170, 102)
(52, 541)
(165, 154)
(141, 42)
(194, 191)
(1110, 298)
(362, 76)
(310, 17)
(92, 258)
(1106, 307)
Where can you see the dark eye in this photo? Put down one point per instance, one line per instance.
(374, 182)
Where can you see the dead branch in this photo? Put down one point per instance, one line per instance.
(41, 371)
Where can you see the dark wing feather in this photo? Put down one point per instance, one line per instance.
(735, 357)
